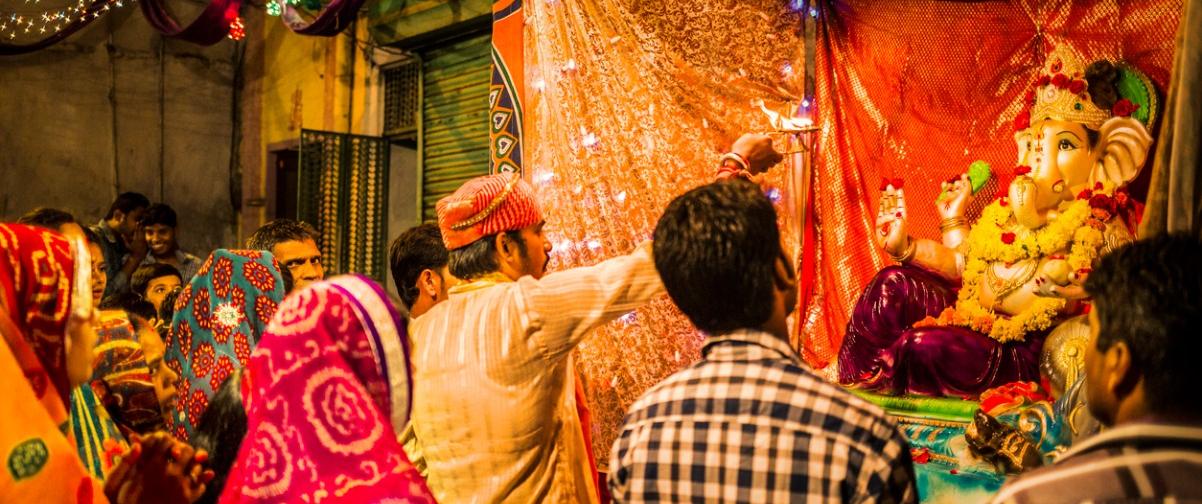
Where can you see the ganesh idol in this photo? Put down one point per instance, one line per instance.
(973, 310)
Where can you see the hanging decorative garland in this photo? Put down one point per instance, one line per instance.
(213, 25)
(59, 23)
(218, 21)
(237, 29)
(329, 22)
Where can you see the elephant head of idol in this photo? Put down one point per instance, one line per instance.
(1080, 126)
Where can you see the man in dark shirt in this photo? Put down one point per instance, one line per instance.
(748, 422)
(1141, 379)
(418, 260)
(121, 240)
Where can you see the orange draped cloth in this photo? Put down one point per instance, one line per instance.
(41, 463)
(919, 90)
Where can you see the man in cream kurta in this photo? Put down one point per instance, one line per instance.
(494, 411)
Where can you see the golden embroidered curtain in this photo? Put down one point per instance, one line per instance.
(629, 104)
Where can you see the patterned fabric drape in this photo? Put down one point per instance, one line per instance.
(219, 317)
(122, 377)
(919, 90)
(506, 89)
(325, 394)
(629, 103)
(42, 463)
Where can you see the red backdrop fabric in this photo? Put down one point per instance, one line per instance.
(921, 89)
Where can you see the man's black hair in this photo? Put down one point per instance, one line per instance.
(418, 249)
(480, 257)
(91, 236)
(49, 218)
(279, 231)
(716, 249)
(1148, 294)
(127, 202)
(220, 431)
(142, 276)
(159, 213)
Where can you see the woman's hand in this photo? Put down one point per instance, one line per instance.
(159, 468)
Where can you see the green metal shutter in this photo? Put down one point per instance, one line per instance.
(455, 82)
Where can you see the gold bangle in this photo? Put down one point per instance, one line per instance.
(951, 223)
(911, 250)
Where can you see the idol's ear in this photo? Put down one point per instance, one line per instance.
(1123, 147)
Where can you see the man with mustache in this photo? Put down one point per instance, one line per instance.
(495, 402)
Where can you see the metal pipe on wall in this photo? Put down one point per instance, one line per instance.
(112, 52)
(162, 117)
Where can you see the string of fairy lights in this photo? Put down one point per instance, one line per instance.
(36, 21)
(39, 22)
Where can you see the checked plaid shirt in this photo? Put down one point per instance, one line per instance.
(747, 423)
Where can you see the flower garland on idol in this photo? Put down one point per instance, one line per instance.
(997, 237)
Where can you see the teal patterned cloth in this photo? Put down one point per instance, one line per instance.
(944, 469)
(219, 317)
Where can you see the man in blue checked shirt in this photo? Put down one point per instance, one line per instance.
(748, 422)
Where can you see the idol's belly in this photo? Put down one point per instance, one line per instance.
(1010, 289)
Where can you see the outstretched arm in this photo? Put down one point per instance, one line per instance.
(566, 305)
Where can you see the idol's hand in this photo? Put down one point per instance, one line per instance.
(1046, 287)
(758, 151)
(957, 194)
(891, 230)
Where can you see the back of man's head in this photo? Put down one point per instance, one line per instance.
(279, 231)
(49, 218)
(127, 202)
(1148, 295)
(716, 249)
(418, 249)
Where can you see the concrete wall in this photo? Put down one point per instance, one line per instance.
(118, 108)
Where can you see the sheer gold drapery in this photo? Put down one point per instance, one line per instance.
(629, 103)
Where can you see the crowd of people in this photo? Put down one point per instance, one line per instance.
(139, 373)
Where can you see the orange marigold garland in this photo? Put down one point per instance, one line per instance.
(998, 238)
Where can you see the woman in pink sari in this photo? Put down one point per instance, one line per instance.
(326, 392)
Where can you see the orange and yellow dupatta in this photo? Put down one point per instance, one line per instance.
(39, 462)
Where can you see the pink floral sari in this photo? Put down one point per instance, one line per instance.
(326, 392)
